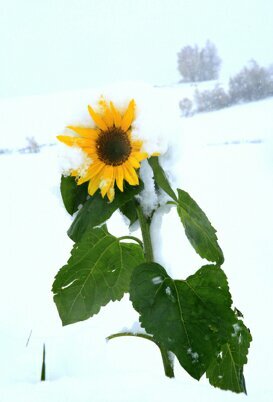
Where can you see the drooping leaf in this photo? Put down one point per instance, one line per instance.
(160, 177)
(192, 318)
(129, 210)
(226, 369)
(72, 194)
(99, 270)
(97, 210)
(198, 228)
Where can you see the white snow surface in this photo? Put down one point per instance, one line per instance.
(225, 161)
(148, 197)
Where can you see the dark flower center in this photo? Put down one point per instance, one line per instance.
(113, 146)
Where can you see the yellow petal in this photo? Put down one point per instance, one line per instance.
(95, 168)
(129, 135)
(94, 185)
(108, 118)
(92, 171)
(82, 180)
(92, 153)
(68, 140)
(116, 115)
(106, 190)
(111, 194)
(130, 174)
(97, 119)
(137, 145)
(107, 179)
(119, 177)
(107, 114)
(85, 132)
(74, 173)
(140, 156)
(80, 142)
(129, 116)
(134, 162)
(107, 172)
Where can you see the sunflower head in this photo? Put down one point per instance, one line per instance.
(113, 155)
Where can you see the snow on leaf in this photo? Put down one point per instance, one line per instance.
(157, 280)
(192, 318)
(226, 369)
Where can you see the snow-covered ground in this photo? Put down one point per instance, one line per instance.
(225, 162)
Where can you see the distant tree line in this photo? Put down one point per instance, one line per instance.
(252, 83)
(32, 147)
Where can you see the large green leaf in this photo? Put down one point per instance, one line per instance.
(130, 211)
(72, 194)
(198, 228)
(97, 210)
(160, 177)
(192, 318)
(99, 270)
(226, 369)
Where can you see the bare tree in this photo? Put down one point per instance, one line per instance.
(33, 146)
(196, 64)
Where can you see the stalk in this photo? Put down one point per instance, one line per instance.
(149, 257)
(146, 236)
(43, 371)
(166, 358)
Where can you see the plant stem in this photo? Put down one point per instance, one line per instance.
(145, 230)
(137, 335)
(149, 257)
(43, 371)
(166, 358)
(132, 238)
(167, 362)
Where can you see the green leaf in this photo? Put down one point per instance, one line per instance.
(226, 369)
(130, 211)
(99, 270)
(160, 177)
(72, 194)
(97, 210)
(192, 318)
(198, 228)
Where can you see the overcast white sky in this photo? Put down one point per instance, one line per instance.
(55, 45)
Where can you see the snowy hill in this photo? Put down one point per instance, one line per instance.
(225, 160)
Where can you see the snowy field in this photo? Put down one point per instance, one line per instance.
(226, 163)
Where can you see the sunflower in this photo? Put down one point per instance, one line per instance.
(113, 155)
